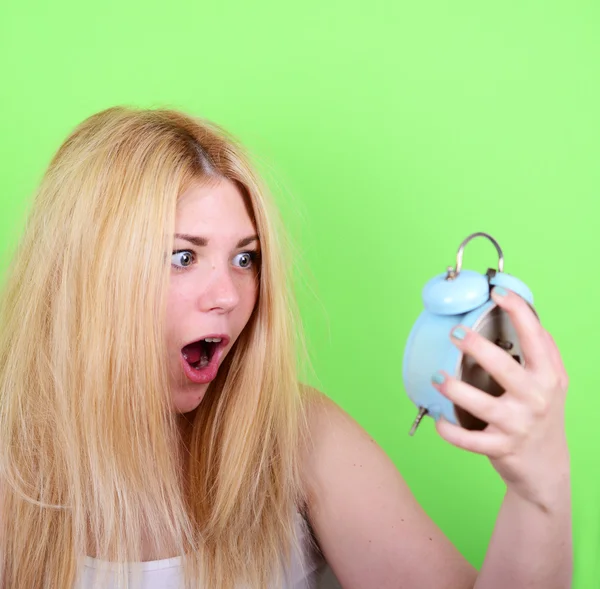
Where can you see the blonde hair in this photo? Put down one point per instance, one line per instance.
(90, 453)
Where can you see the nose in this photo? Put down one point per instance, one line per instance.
(220, 293)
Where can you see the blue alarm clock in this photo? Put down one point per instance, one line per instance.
(458, 296)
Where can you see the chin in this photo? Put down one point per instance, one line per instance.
(186, 402)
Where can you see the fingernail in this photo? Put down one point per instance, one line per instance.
(459, 333)
(438, 378)
(501, 292)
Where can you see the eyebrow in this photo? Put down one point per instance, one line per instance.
(203, 241)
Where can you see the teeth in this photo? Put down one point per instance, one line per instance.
(212, 340)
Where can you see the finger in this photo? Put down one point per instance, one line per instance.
(528, 327)
(507, 372)
(486, 407)
(557, 362)
(483, 442)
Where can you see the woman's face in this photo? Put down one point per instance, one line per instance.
(213, 286)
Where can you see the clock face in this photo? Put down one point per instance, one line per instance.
(496, 326)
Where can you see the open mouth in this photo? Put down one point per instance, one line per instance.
(201, 358)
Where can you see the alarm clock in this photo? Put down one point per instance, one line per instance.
(453, 297)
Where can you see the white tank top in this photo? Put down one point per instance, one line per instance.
(305, 572)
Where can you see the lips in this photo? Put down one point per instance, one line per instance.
(201, 358)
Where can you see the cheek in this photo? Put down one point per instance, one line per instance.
(252, 296)
(176, 309)
(248, 298)
(182, 293)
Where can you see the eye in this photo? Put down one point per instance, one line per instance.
(245, 259)
(182, 258)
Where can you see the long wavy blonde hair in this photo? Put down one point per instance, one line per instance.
(90, 452)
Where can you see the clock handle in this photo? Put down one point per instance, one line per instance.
(454, 272)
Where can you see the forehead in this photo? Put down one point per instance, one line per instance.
(213, 209)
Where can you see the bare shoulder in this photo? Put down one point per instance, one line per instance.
(370, 527)
(334, 438)
(336, 442)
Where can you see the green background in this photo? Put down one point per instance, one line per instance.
(389, 131)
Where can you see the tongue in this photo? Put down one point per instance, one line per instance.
(193, 352)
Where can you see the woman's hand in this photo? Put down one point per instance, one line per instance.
(525, 439)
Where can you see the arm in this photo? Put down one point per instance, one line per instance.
(530, 546)
(526, 442)
(372, 531)
(374, 534)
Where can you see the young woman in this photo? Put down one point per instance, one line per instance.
(152, 427)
